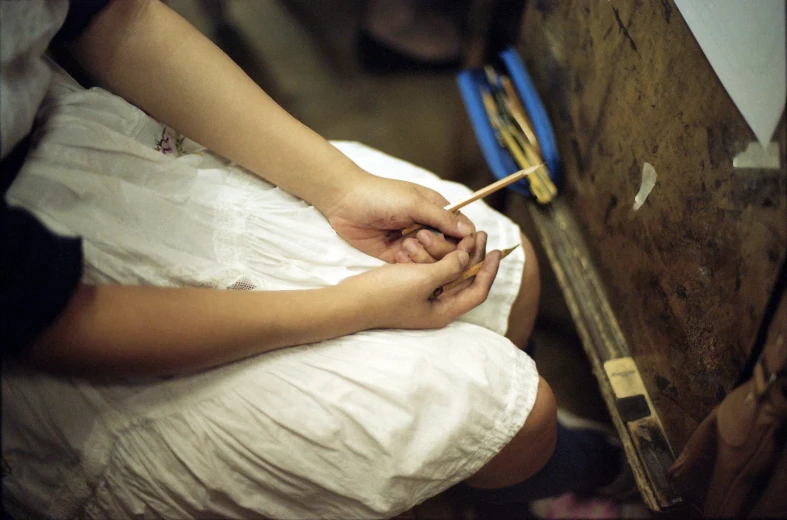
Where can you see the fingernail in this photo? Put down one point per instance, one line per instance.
(463, 257)
(465, 228)
(410, 247)
(425, 238)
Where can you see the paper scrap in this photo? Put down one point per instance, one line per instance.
(649, 179)
(745, 44)
(757, 156)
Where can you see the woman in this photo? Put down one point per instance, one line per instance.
(345, 414)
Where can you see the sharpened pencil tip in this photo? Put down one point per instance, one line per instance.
(528, 171)
(505, 252)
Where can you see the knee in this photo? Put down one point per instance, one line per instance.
(531, 272)
(529, 450)
(525, 308)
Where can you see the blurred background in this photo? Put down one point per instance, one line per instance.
(311, 58)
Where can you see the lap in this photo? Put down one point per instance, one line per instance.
(361, 426)
(188, 217)
(366, 425)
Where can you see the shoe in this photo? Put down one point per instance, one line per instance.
(569, 505)
(624, 485)
(378, 58)
(575, 422)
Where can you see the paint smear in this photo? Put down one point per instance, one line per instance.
(649, 178)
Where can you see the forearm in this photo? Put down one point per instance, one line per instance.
(140, 330)
(146, 53)
(111, 330)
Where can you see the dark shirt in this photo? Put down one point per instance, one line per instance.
(39, 270)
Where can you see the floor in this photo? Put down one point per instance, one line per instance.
(303, 54)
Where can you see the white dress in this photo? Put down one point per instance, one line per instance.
(362, 426)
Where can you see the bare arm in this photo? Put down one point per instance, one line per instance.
(137, 330)
(146, 53)
(141, 330)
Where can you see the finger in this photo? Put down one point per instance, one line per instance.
(486, 276)
(478, 251)
(458, 303)
(477, 255)
(443, 220)
(464, 221)
(402, 258)
(416, 252)
(437, 245)
(449, 268)
(467, 244)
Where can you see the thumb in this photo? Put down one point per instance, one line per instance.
(439, 218)
(450, 267)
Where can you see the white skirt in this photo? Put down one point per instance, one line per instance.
(362, 426)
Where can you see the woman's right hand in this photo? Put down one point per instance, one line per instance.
(400, 295)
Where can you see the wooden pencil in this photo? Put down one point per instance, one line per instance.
(480, 194)
(502, 183)
(469, 273)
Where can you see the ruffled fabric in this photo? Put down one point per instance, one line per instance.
(362, 426)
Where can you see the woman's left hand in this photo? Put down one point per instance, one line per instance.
(371, 216)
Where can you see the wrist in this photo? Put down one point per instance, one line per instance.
(343, 178)
(361, 301)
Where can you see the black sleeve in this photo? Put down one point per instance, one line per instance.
(80, 13)
(39, 272)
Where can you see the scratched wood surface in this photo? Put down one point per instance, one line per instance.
(689, 274)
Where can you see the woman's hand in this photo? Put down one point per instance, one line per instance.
(371, 215)
(401, 295)
(427, 248)
(416, 251)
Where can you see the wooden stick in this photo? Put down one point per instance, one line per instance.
(480, 194)
(468, 273)
(502, 183)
